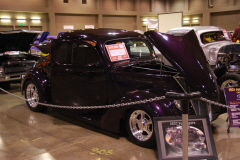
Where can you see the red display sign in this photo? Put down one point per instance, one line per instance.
(117, 52)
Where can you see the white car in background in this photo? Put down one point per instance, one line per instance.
(222, 54)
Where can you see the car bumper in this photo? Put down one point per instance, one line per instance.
(11, 77)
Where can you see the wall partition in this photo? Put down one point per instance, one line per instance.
(66, 22)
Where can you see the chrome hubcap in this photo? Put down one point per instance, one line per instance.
(141, 125)
(32, 95)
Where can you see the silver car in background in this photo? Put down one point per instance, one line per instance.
(222, 54)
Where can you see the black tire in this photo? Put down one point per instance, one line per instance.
(33, 96)
(139, 125)
(229, 80)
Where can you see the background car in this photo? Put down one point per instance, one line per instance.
(222, 54)
(41, 40)
(98, 75)
(15, 59)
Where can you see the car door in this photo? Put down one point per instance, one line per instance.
(78, 76)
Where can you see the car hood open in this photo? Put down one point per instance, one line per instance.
(186, 55)
(17, 40)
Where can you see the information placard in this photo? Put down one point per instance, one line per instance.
(232, 96)
(117, 52)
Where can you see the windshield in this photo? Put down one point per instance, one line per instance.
(213, 36)
(128, 48)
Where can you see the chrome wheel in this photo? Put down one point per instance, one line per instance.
(141, 125)
(32, 95)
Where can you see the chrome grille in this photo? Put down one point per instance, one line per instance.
(18, 67)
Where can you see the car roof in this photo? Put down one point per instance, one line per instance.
(99, 34)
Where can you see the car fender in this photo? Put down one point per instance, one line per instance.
(163, 107)
(41, 80)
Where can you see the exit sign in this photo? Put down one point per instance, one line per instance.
(21, 24)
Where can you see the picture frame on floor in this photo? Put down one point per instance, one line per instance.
(168, 132)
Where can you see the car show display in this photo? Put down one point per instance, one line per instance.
(200, 140)
(232, 96)
(120, 80)
(98, 67)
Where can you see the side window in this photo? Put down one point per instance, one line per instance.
(129, 48)
(84, 54)
(76, 53)
(138, 49)
(62, 53)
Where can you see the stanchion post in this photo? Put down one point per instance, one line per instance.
(185, 108)
(184, 97)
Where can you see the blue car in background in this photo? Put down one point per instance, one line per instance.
(41, 40)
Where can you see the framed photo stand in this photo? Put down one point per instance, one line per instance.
(169, 138)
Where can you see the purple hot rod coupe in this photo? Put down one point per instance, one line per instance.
(98, 67)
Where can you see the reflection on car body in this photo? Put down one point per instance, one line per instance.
(98, 67)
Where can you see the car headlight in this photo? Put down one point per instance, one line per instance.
(213, 54)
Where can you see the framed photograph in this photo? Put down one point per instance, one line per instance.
(168, 132)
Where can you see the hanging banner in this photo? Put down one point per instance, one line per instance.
(153, 23)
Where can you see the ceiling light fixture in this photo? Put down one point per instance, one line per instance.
(5, 19)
